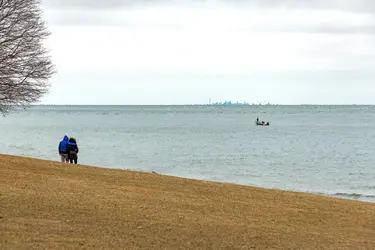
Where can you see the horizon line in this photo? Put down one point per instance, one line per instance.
(233, 104)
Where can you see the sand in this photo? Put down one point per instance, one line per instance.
(52, 205)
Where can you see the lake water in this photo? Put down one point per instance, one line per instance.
(320, 149)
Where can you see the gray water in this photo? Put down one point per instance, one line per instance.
(319, 149)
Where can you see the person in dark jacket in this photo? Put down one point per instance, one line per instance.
(72, 150)
(62, 149)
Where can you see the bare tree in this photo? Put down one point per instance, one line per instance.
(25, 67)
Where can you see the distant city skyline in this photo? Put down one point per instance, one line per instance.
(171, 52)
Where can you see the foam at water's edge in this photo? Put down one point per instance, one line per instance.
(348, 196)
(354, 195)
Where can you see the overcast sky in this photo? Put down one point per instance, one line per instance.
(180, 52)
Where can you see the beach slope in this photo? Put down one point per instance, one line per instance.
(51, 205)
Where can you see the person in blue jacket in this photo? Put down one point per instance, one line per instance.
(72, 150)
(62, 149)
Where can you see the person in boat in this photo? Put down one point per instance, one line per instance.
(62, 149)
(72, 150)
(262, 122)
(257, 119)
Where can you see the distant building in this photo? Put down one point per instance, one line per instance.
(229, 103)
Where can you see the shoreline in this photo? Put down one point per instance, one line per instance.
(47, 204)
(339, 195)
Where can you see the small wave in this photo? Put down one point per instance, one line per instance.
(28, 147)
(354, 195)
(366, 187)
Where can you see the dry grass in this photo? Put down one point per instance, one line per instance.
(51, 205)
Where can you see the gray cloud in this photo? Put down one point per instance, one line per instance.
(322, 29)
(346, 5)
(86, 17)
(352, 29)
(88, 12)
(105, 4)
(95, 17)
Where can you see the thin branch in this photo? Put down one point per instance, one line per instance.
(25, 67)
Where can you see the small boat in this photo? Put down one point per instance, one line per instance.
(262, 124)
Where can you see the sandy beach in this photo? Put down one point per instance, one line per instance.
(52, 205)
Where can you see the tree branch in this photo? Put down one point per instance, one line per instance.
(25, 67)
